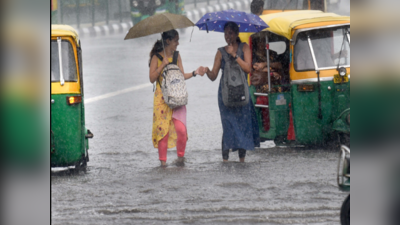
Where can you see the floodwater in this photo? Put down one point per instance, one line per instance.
(124, 183)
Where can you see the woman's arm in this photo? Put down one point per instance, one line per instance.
(212, 74)
(155, 70)
(186, 75)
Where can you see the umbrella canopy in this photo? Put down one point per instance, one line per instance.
(158, 23)
(216, 21)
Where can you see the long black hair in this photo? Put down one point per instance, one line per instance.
(158, 46)
(235, 28)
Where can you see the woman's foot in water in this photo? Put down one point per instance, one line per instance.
(225, 160)
(242, 160)
(180, 161)
(163, 163)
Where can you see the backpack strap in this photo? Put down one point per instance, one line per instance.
(225, 55)
(240, 49)
(159, 57)
(175, 58)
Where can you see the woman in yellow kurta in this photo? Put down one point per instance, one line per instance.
(169, 125)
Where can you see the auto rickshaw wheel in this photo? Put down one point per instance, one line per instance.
(345, 212)
(82, 164)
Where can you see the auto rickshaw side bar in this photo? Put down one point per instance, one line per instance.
(317, 72)
(60, 61)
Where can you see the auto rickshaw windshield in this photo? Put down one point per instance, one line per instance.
(331, 48)
(68, 62)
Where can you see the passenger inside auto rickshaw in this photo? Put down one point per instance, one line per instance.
(259, 75)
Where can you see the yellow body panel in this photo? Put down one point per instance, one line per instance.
(283, 23)
(311, 74)
(244, 37)
(67, 33)
(61, 30)
(67, 88)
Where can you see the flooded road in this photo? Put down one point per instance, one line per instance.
(124, 183)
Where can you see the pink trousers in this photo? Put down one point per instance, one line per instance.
(180, 143)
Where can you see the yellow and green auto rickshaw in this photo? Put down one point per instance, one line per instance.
(69, 136)
(309, 102)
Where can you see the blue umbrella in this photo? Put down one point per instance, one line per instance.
(215, 21)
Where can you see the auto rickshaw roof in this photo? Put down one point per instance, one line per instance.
(284, 23)
(64, 30)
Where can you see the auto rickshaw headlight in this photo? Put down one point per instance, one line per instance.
(135, 3)
(348, 119)
(342, 71)
(71, 100)
(158, 2)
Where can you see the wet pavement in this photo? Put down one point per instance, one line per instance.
(124, 183)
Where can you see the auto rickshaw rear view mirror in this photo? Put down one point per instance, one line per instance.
(305, 87)
(71, 100)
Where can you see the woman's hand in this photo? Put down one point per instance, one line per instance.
(201, 71)
(229, 50)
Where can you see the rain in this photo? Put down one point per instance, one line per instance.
(124, 183)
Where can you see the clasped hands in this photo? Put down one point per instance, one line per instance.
(202, 70)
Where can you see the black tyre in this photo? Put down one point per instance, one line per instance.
(345, 212)
(82, 164)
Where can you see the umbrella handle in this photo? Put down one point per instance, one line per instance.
(207, 25)
(162, 41)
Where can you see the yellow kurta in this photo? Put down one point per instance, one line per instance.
(162, 116)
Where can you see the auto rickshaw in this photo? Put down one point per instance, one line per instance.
(310, 104)
(69, 136)
(343, 180)
(141, 9)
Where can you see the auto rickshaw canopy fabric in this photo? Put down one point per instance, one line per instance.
(283, 23)
(64, 30)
